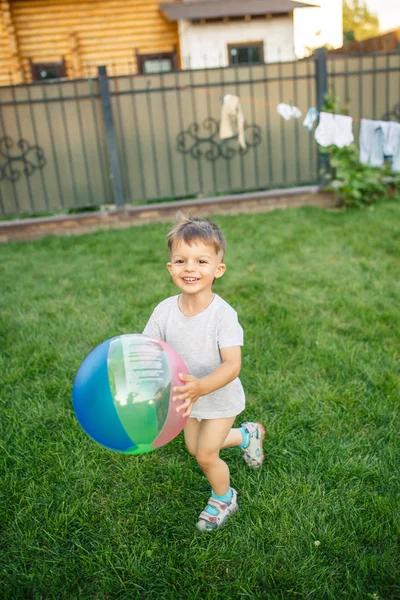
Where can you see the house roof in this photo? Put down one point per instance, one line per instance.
(206, 9)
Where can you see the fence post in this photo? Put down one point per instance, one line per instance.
(111, 138)
(321, 78)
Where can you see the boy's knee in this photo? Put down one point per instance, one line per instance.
(206, 459)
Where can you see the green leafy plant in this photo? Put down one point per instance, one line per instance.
(332, 104)
(358, 184)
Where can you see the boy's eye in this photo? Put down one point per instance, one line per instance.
(179, 261)
(202, 262)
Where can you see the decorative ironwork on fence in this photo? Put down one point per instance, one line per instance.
(190, 142)
(31, 156)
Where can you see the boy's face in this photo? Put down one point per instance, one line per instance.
(194, 268)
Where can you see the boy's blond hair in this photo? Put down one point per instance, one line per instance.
(189, 229)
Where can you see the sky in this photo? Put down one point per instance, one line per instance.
(388, 12)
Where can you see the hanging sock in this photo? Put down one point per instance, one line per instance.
(311, 117)
(296, 112)
(232, 116)
(288, 112)
(334, 130)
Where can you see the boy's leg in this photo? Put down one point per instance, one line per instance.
(233, 439)
(213, 433)
(250, 438)
(191, 432)
(223, 502)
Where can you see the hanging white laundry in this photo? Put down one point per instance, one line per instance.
(372, 139)
(334, 130)
(311, 117)
(379, 140)
(232, 118)
(288, 112)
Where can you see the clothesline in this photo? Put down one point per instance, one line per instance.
(251, 100)
(379, 140)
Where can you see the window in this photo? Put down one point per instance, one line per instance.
(244, 54)
(156, 63)
(49, 70)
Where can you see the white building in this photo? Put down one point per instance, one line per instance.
(319, 26)
(213, 34)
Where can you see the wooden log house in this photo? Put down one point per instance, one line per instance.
(47, 39)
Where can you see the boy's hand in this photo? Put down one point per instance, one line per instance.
(189, 393)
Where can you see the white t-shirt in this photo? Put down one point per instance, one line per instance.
(198, 341)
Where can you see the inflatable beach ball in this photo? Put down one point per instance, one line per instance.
(122, 394)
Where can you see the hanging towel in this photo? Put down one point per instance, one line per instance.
(379, 140)
(334, 130)
(232, 117)
(311, 116)
(288, 112)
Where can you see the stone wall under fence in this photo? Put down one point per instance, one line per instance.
(78, 224)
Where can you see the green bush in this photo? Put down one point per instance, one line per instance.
(359, 184)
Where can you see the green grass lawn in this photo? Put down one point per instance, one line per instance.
(318, 295)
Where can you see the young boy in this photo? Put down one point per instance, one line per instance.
(204, 330)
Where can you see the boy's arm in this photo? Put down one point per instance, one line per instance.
(225, 373)
(195, 388)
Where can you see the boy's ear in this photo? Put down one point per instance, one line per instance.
(220, 270)
(169, 266)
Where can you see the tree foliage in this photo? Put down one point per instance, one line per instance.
(358, 22)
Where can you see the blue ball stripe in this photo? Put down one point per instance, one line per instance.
(94, 405)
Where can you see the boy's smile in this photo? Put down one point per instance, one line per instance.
(193, 268)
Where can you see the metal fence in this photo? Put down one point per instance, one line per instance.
(135, 139)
